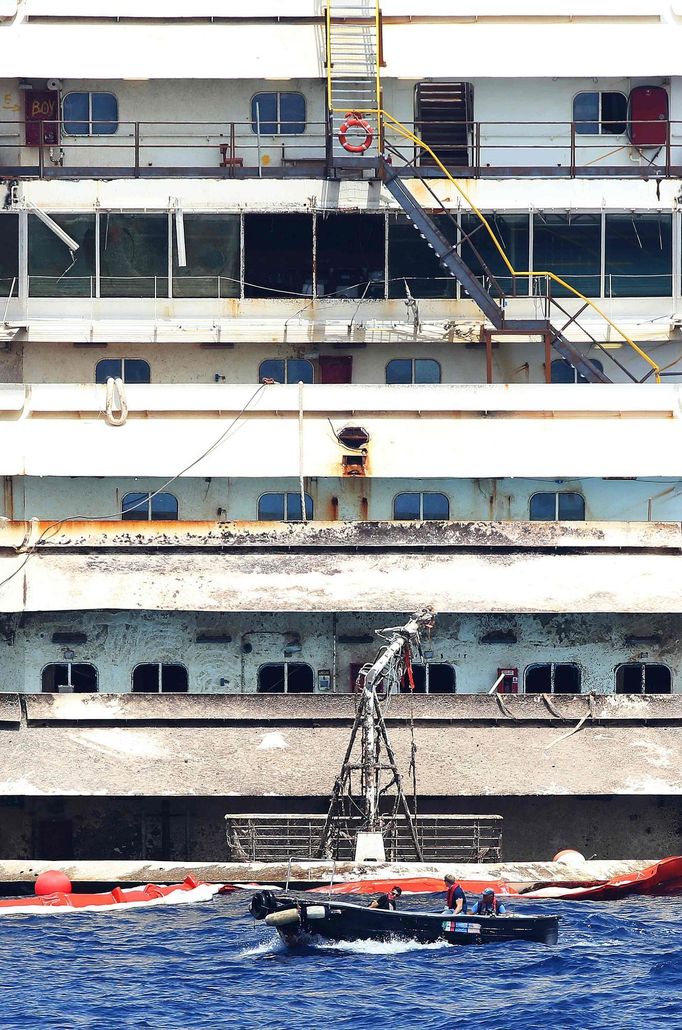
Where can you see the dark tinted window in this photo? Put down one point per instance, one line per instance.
(278, 113)
(135, 506)
(155, 677)
(407, 506)
(569, 246)
(643, 678)
(289, 677)
(553, 678)
(571, 508)
(138, 506)
(543, 507)
(130, 370)
(277, 507)
(412, 370)
(75, 677)
(565, 507)
(435, 506)
(638, 255)
(164, 507)
(90, 114)
(399, 371)
(596, 112)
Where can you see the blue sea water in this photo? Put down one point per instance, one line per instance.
(618, 965)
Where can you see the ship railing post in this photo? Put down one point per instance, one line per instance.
(137, 151)
(41, 151)
(477, 150)
(573, 148)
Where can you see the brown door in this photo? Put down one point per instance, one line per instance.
(336, 369)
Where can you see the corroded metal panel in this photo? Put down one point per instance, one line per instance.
(10, 709)
(517, 535)
(336, 582)
(298, 760)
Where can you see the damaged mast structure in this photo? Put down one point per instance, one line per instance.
(377, 765)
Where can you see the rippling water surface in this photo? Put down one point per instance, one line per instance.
(617, 965)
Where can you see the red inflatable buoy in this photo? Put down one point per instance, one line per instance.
(52, 881)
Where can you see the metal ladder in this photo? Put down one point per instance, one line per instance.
(353, 82)
(491, 306)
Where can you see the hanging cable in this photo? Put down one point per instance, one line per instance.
(53, 526)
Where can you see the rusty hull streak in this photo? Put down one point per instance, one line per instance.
(18, 534)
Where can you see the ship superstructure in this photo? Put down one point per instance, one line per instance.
(313, 315)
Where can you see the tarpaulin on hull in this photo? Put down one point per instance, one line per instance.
(664, 877)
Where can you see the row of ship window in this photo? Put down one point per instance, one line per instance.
(96, 113)
(550, 506)
(336, 254)
(398, 371)
(299, 678)
(284, 113)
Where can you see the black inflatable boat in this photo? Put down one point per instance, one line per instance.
(296, 918)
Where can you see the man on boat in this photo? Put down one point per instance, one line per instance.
(387, 900)
(455, 899)
(488, 905)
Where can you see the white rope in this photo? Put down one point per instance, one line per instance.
(116, 402)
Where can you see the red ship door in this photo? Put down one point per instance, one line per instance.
(336, 369)
(648, 116)
(41, 111)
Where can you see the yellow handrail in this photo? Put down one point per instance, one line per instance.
(402, 130)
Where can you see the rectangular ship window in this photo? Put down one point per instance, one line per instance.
(212, 246)
(52, 269)
(278, 256)
(638, 255)
(133, 255)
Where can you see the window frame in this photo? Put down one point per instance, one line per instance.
(151, 495)
(159, 665)
(277, 93)
(422, 494)
(69, 663)
(90, 133)
(123, 367)
(599, 120)
(285, 664)
(286, 494)
(642, 692)
(578, 378)
(557, 494)
(413, 363)
(426, 665)
(552, 672)
(287, 381)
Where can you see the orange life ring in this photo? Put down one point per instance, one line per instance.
(354, 121)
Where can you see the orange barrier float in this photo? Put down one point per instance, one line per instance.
(661, 878)
(187, 892)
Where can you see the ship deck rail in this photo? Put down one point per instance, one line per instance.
(231, 149)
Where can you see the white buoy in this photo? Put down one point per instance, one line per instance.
(569, 857)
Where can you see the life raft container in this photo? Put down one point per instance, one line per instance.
(354, 121)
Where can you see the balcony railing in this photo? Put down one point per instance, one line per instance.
(220, 288)
(233, 149)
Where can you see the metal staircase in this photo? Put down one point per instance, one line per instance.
(353, 83)
(490, 304)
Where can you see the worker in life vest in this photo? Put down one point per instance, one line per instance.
(455, 898)
(488, 905)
